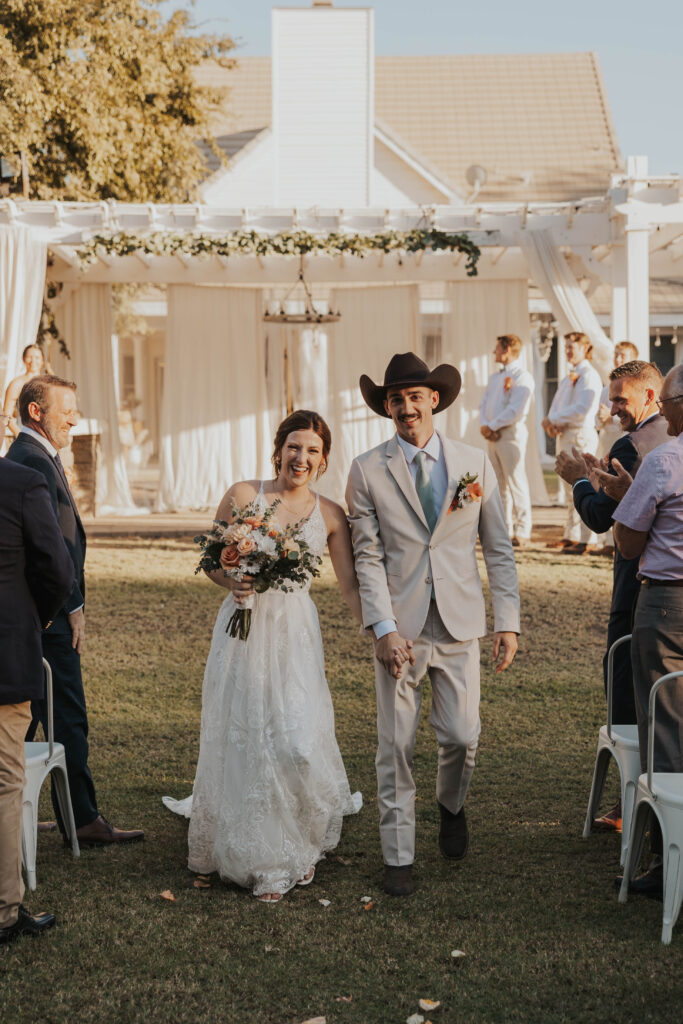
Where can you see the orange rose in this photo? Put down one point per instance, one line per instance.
(230, 556)
(507, 383)
(573, 378)
(474, 491)
(290, 546)
(254, 522)
(273, 532)
(246, 546)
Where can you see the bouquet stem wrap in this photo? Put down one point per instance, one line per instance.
(239, 622)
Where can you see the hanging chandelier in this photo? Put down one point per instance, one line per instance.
(309, 315)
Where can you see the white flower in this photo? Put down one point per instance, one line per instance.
(265, 544)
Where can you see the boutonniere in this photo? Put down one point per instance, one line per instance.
(467, 491)
(573, 378)
(507, 383)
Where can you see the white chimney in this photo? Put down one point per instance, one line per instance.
(323, 105)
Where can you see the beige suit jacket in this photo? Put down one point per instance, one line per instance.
(398, 560)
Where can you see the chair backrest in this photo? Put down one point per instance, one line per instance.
(610, 678)
(651, 722)
(48, 697)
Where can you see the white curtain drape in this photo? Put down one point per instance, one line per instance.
(23, 259)
(215, 420)
(375, 324)
(563, 293)
(479, 311)
(84, 320)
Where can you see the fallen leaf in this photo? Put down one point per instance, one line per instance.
(344, 999)
(429, 1004)
(167, 895)
(324, 903)
(271, 949)
(201, 882)
(316, 1020)
(366, 899)
(369, 906)
(456, 953)
(344, 861)
(416, 1018)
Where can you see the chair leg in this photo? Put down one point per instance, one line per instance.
(61, 780)
(602, 761)
(29, 840)
(635, 846)
(628, 799)
(672, 889)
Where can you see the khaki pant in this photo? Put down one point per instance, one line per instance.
(585, 440)
(507, 457)
(14, 721)
(453, 670)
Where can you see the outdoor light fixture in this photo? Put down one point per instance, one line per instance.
(310, 314)
(477, 177)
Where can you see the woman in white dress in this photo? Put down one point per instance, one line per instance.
(571, 419)
(271, 790)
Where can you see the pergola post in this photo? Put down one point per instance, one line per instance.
(619, 317)
(638, 288)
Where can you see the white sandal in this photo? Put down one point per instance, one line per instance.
(270, 898)
(308, 877)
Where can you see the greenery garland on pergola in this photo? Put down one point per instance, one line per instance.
(294, 243)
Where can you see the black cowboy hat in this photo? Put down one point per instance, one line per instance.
(407, 370)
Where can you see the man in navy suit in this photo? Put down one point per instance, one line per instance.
(634, 388)
(36, 574)
(48, 411)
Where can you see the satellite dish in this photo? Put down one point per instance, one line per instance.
(476, 176)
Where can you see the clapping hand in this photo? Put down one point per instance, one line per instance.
(571, 467)
(614, 486)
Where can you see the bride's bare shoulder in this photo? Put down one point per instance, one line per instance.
(240, 493)
(333, 514)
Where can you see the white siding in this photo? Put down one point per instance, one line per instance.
(397, 185)
(247, 181)
(323, 106)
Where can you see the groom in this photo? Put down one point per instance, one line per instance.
(417, 504)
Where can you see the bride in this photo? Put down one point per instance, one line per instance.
(271, 790)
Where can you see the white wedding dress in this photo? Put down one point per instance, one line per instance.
(270, 790)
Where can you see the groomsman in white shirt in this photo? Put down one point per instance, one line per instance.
(503, 411)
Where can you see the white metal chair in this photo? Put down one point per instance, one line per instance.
(659, 793)
(621, 743)
(41, 759)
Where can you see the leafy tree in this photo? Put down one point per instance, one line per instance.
(101, 99)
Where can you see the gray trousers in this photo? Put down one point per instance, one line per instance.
(656, 649)
(453, 670)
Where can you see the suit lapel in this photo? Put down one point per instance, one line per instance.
(398, 467)
(453, 470)
(59, 473)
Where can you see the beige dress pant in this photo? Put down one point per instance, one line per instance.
(507, 456)
(14, 721)
(585, 440)
(453, 670)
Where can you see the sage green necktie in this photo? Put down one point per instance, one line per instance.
(423, 486)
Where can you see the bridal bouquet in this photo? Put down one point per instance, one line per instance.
(254, 544)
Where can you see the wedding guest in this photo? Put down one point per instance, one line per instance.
(649, 526)
(634, 389)
(36, 575)
(418, 503)
(47, 407)
(34, 362)
(571, 419)
(609, 430)
(503, 412)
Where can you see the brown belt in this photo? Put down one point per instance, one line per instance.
(647, 582)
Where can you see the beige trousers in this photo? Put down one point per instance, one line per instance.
(14, 721)
(453, 670)
(507, 457)
(586, 440)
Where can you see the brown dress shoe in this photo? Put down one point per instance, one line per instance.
(100, 833)
(398, 880)
(611, 821)
(564, 543)
(520, 542)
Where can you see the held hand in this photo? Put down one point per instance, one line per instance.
(77, 624)
(504, 649)
(241, 589)
(485, 431)
(614, 486)
(392, 652)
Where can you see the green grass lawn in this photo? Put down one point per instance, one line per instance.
(533, 905)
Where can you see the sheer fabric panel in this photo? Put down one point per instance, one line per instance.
(480, 311)
(215, 421)
(84, 319)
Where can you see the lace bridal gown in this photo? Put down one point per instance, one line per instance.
(270, 790)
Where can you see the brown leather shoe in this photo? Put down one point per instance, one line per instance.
(398, 880)
(100, 833)
(581, 549)
(520, 542)
(611, 821)
(564, 543)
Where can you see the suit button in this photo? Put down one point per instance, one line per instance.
(428, 580)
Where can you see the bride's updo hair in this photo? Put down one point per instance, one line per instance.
(301, 419)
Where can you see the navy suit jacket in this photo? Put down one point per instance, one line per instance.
(36, 575)
(29, 451)
(596, 508)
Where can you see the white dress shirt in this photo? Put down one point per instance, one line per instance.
(435, 466)
(500, 408)
(47, 445)
(576, 402)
